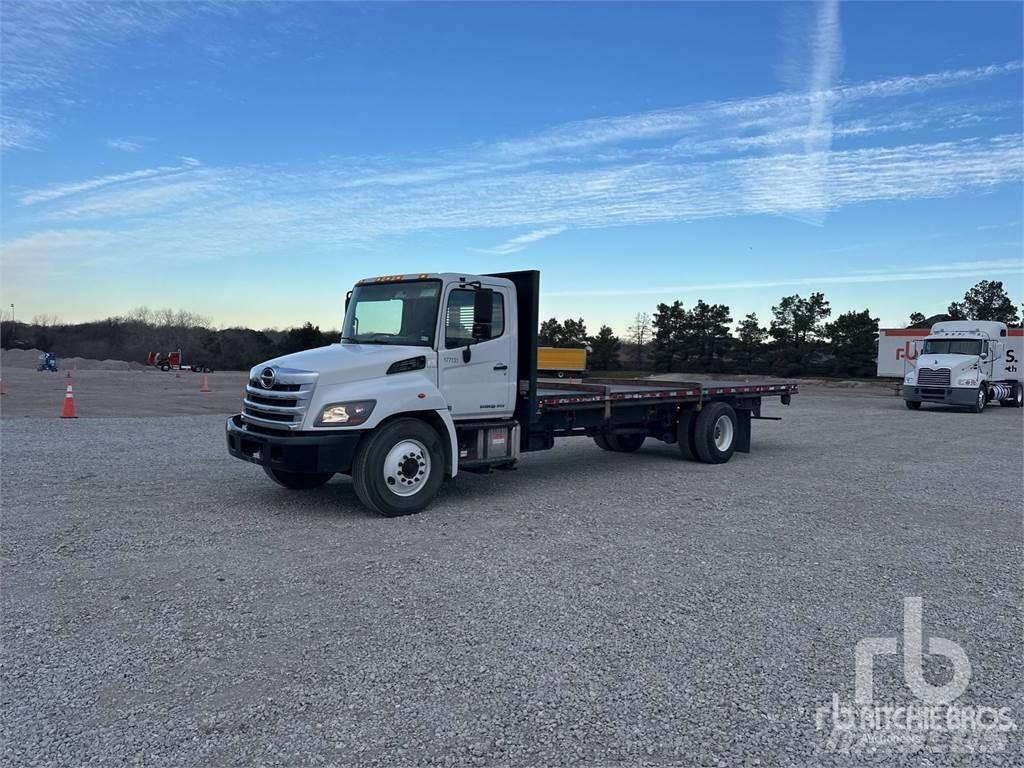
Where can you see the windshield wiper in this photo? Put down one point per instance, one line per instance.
(363, 341)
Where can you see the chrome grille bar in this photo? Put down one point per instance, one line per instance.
(292, 386)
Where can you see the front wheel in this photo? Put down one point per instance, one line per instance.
(979, 401)
(399, 468)
(298, 481)
(914, 405)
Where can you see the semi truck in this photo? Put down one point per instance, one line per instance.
(435, 374)
(965, 363)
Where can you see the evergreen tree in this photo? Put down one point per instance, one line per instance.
(604, 350)
(985, 301)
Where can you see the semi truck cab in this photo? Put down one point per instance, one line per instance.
(963, 363)
(436, 374)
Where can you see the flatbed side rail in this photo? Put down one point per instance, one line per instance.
(750, 389)
(606, 391)
(574, 396)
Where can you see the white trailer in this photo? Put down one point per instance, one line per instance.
(967, 363)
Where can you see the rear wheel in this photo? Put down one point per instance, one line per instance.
(625, 443)
(979, 401)
(399, 468)
(1016, 400)
(685, 435)
(602, 441)
(914, 405)
(298, 481)
(714, 433)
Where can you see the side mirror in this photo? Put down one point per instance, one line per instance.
(983, 355)
(483, 313)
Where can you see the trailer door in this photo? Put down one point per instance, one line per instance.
(484, 385)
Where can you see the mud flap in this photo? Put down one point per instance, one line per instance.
(743, 430)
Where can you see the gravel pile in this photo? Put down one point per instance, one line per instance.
(29, 358)
(166, 604)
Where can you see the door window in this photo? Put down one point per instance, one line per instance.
(458, 319)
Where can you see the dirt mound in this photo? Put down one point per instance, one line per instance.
(29, 358)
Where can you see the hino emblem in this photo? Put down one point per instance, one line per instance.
(268, 377)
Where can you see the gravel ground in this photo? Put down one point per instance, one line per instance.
(110, 394)
(164, 604)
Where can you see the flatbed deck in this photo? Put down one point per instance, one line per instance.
(555, 394)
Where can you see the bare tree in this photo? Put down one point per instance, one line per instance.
(638, 334)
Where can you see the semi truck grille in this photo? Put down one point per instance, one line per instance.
(933, 377)
(282, 406)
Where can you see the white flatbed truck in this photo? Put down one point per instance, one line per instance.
(965, 363)
(435, 374)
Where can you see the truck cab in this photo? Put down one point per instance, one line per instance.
(963, 363)
(436, 374)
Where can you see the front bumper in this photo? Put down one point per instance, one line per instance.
(964, 396)
(308, 452)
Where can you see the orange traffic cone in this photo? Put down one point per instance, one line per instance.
(206, 385)
(69, 405)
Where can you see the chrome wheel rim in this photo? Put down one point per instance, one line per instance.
(981, 399)
(723, 433)
(407, 468)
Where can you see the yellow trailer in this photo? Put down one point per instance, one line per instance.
(561, 362)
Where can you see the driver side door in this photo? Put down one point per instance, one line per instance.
(482, 386)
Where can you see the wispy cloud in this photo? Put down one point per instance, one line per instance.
(46, 44)
(516, 244)
(932, 272)
(57, 191)
(125, 145)
(773, 154)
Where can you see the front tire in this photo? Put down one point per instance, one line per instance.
(714, 433)
(914, 405)
(298, 481)
(399, 468)
(979, 401)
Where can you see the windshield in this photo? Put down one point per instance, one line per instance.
(952, 347)
(393, 313)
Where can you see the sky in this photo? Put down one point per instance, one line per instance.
(250, 161)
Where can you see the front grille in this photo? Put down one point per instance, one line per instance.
(263, 400)
(284, 405)
(933, 377)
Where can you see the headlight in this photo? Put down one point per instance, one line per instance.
(346, 414)
(910, 378)
(968, 382)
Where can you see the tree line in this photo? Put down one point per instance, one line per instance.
(133, 336)
(800, 338)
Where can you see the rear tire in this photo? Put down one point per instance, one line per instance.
(684, 435)
(714, 433)
(625, 443)
(1016, 400)
(979, 401)
(914, 405)
(399, 468)
(298, 481)
(602, 441)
